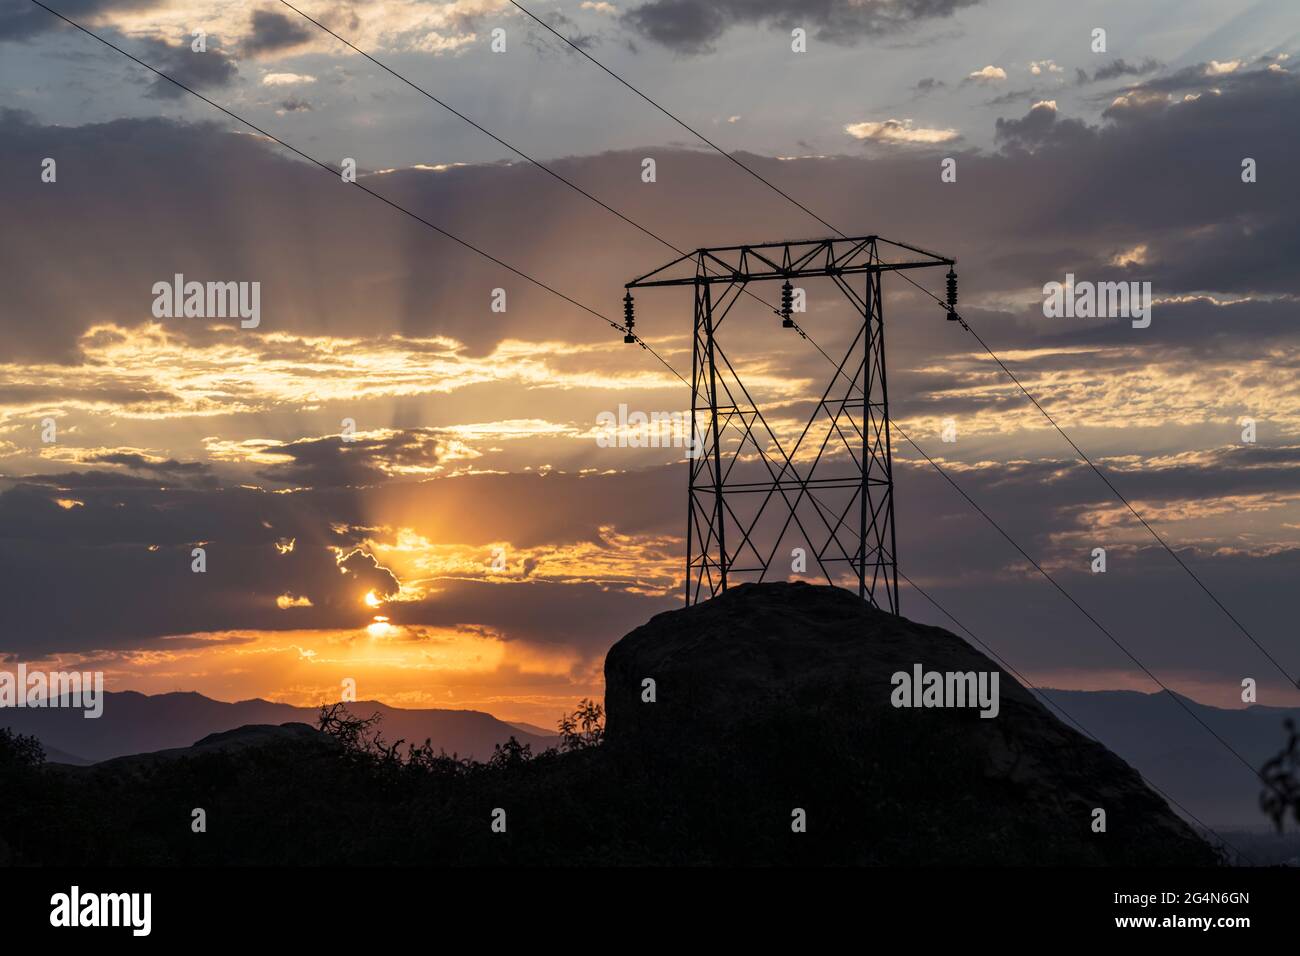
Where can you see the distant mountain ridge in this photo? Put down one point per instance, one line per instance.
(1152, 733)
(135, 723)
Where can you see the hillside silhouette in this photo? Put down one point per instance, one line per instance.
(135, 723)
(768, 699)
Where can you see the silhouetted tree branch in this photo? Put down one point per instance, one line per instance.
(356, 734)
(1282, 776)
(584, 728)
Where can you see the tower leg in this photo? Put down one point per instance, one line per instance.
(878, 579)
(707, 563)
(705, 306)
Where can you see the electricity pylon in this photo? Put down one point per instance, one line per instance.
(743, 482)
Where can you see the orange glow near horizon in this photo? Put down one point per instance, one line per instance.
(402, 666)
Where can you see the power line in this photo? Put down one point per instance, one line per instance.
(1082, 610)
(987, 517)
(514, 149)
(482, 129)
(1172, 553)
(964, 323)
(385, 200)
(672, 117)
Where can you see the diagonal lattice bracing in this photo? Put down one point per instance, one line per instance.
(750, 488)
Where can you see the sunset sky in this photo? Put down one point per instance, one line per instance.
(475, 429)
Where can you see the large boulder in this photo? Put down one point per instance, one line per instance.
(775, 698)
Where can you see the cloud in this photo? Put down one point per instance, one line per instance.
(20, 19)
(1037, 127)
(1054, 506)
(167, 469)
(562, 24)
(900, 131)
(1015, 246)
(369, 575)
(987, 74)
(1119, 67)
(1197, 78)
(1136, 256)
(693, 26)
(1215, 68)
(129, 542)
(1014, 96)
(267, 218)
(274, 32)
(364, 460)
(286, 79)
(212, 69)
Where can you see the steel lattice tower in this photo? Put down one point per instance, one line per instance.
(745, 488)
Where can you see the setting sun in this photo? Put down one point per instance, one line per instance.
(380, 627)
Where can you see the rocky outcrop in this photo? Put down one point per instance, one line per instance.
(779, 698)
